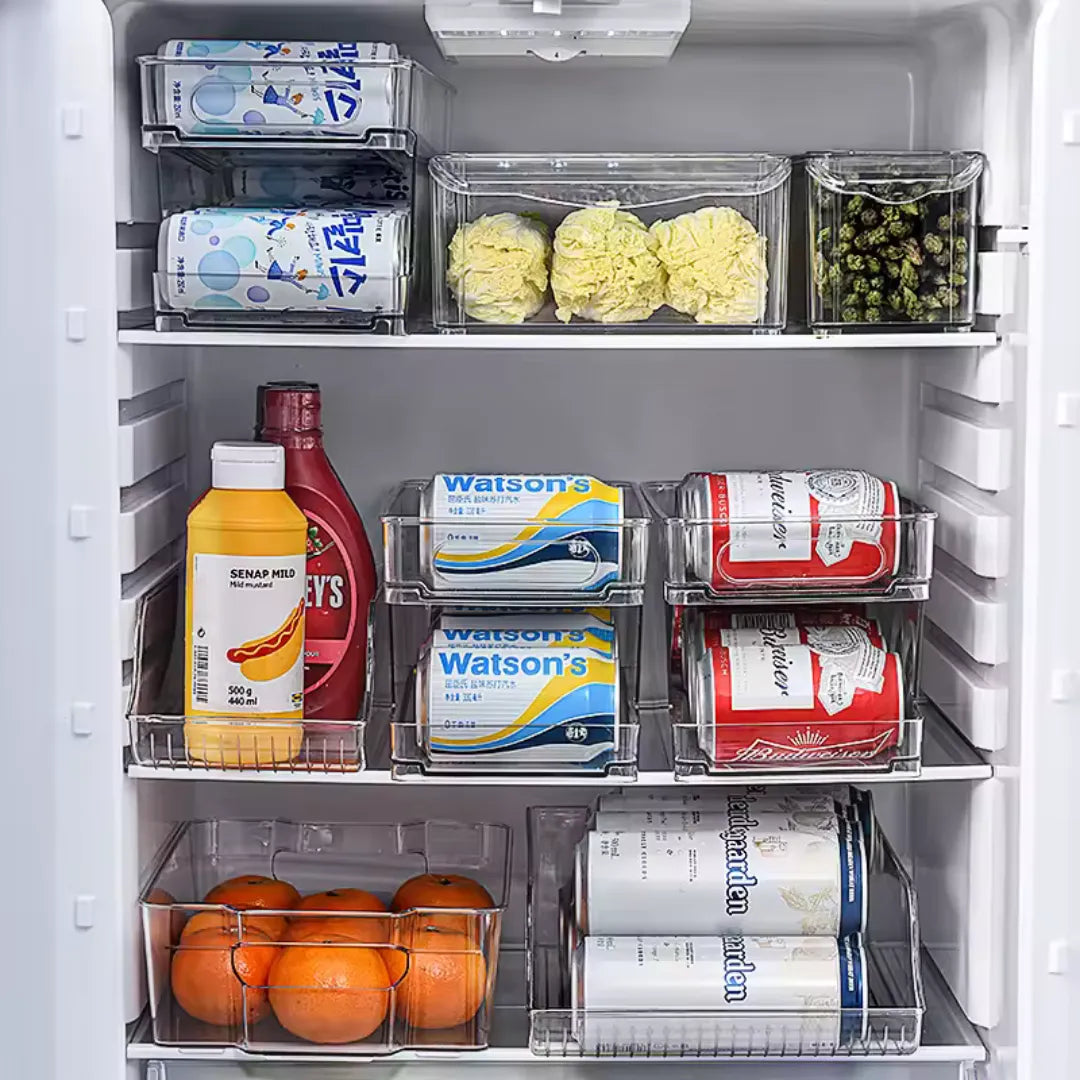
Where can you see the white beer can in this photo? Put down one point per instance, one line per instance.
(783, 799)
(510, 531)
(736, 994)
(796, 874)
(229, 258)
(282, 88)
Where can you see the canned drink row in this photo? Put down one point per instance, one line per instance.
(737, 992)
(746, 863)
(788, 531)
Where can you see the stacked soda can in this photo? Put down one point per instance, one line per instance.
(526, 688)
(744, 908)
(297, 238)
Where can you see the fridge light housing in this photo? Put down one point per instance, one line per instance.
(557, 30)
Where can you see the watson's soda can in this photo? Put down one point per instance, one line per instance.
(528, 707)
(791, 529)
(577, 630)
(510, 532)
(735, 994)
(826, 702)
(228, 258)
(292, 89)
(327, 185)
(754, 873)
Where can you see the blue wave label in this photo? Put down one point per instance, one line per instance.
(530, 704)
(523, 531)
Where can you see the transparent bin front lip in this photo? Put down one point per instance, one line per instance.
(656, 490)
(827, 168)
(626, 168)
(397, 828)
(635, 517)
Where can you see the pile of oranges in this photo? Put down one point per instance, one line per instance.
(330, 978)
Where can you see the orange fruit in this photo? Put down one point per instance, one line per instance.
(447, 978)
(257, 891)
(210, 971)
(366, 931)
(329, 990)
(444, 891)
(441, 890)
(341, 900)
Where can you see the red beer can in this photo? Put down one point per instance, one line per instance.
(791, 529)
(836, 701)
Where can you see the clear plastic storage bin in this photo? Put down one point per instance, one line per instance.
(285, 268)
(864, 658)
(461, 721)
(496, 215)
(463, 942)
(892, 239)
(847, 555)
(570, 560)
(251, 745)
(220, 93)
(561, 1027)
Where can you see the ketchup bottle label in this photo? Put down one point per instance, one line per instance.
(331, 604)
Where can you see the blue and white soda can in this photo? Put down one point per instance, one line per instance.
(288, 89)
(727, 994)
(506, 532)
(282, 260)
(578, 630)
(802, 873)
(528, 707)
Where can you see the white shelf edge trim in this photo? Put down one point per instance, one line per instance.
(646, 340)
(979, 710)
(973, 536)
(976, 623)
(976, 453)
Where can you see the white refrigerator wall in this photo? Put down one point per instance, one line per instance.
(924, 74)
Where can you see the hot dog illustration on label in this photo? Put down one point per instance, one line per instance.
(272, 656)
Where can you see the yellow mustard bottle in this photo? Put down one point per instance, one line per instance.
(244, 612)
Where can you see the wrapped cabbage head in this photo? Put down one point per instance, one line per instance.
(499, 267)
(715, 263)
(605, 267)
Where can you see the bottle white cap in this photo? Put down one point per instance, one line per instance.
(248, 466)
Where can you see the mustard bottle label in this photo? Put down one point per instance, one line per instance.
(247, 633)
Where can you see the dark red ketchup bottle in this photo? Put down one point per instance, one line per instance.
(340, 568)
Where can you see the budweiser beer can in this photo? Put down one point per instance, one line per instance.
(227, 258)
(737, 994)
(791, 529)
(832, 701)
(750, 873)
(283, 88)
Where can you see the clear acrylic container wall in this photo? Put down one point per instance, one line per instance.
(892, 239)
(209, 93)
(563, 1025)
(628, 233)
(222, 976)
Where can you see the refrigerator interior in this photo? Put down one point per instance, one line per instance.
(946, 422)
